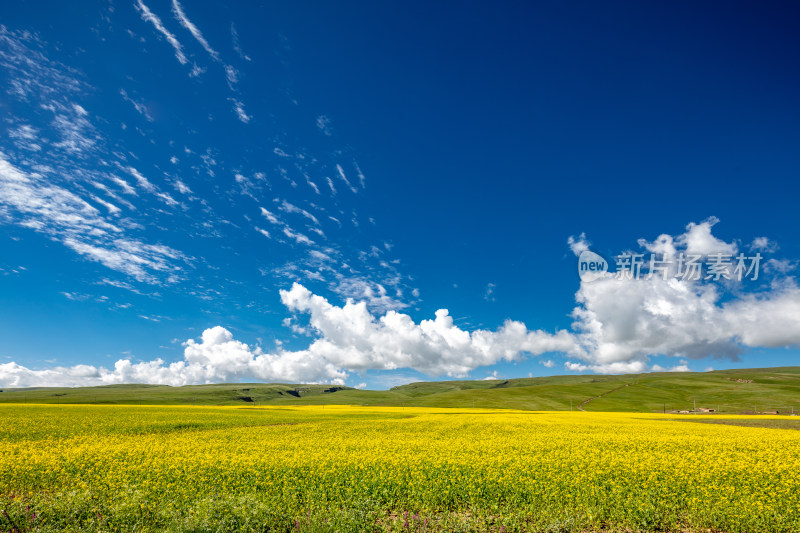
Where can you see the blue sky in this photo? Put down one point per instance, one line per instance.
(169, 168)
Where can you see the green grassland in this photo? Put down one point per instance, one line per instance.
(728, 391)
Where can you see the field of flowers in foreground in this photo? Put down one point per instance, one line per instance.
(129, 468)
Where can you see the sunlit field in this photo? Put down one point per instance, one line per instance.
(131, 468)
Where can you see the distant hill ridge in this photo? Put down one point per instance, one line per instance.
(733, 391)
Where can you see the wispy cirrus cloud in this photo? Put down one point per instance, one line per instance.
(324, 125)
(291, 232)
(129, 192)
(297, 236)
(237, 47)
(31, 201)
(238, 108)
(231, 73)
(177, 10)
(126, 188)
(343, 177)
(133, 258)
(46, 207)
(68, 191)
(140, 107)
(152, 18)
(143, 182)
(367, 277)
(290, 208)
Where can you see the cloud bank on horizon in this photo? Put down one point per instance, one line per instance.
(619, 323)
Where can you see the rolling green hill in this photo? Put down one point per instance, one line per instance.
(731, 391)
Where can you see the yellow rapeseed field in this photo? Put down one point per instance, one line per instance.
(131, 468)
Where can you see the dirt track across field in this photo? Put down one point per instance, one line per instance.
(584, 402)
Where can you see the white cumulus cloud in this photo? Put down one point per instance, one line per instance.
(349, 338)
(621, 323)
